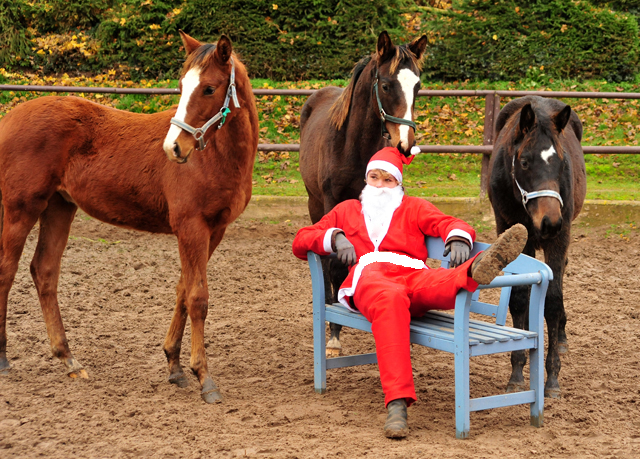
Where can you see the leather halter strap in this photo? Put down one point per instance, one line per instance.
(529, 195)
(385, 117)
(198, 133)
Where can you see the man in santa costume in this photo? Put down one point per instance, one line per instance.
(382, 238)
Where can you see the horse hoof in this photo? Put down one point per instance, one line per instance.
(333, 352)
(552, 393)
(210, 392)
(179, 379)
(4, 367)
(81, 373)
(516, 387)
(563, 348)
(213, 396)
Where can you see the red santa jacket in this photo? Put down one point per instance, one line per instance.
(403, 244)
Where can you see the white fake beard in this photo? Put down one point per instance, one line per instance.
(378, 205)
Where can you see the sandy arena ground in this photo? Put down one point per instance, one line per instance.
(117, 292)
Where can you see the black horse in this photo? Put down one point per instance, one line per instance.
(538, 178)
(342, 128)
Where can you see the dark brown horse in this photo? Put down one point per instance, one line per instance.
(342, 128)
(538, 179)
(61, 153)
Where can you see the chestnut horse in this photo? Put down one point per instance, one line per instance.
(341, 130)
(538, 178)
(61, 153)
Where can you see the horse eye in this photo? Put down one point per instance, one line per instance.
(385, 87)
(524, 163)
(209, 90)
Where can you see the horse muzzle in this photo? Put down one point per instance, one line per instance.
(176, 153)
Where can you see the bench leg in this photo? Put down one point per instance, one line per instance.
(463, 419)
(461, 360)
(536, 356)
(319, 350)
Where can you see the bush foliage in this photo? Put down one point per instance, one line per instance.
(322, 39)
(501, 40)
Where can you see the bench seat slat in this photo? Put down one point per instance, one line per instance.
(493, 335)
(440, 326)
(487, 326)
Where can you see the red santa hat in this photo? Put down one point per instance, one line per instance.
(389, 159)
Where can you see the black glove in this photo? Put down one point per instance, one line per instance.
(345, 250)
(459, 252)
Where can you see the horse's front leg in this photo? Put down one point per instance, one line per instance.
(334, 275)
(555, 256)
(173, 340)
(193, 243)
(519, 309)
(563, 342)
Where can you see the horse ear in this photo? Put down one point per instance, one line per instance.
(418, 46)
(562, 118)
(223, 49)
(527, 119)
(190, 44)
(385, 47)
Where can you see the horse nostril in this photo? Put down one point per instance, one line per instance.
(176, 150)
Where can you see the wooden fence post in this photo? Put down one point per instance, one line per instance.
(489, 124)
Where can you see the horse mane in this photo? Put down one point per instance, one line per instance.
(203, 57)
(340, 108)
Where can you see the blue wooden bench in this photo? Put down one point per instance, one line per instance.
(455, 333)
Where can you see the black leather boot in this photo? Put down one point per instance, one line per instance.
(396, 424)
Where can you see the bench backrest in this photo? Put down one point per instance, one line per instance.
(523, 264)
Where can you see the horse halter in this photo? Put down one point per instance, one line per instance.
(384, 117)
(198, 133)
(528, 195)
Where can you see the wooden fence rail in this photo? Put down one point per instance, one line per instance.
(492, 108)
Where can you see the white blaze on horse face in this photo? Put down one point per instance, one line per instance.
(189, 83)
(548, 153)
(408, 81)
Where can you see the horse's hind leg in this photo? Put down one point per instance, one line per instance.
(55, 224)
(16, 224)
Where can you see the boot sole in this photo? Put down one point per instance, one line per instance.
(502, 252)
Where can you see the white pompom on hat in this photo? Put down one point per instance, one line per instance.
(389, 159)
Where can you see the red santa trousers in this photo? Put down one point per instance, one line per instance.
(388, 296)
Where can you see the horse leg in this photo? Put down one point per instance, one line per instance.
(554, 310)
(519, 309)
(563, 342)
(15, 227)
(55, 224)
(336, 273)
(173, 340)
(194, 240)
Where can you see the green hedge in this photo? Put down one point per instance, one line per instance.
(288, 39)
(504, 40)
(322, 39)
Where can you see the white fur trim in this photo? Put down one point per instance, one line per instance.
(376, 257)
(385, 166)
(415, 150)
(326, 242)
(461, 233)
